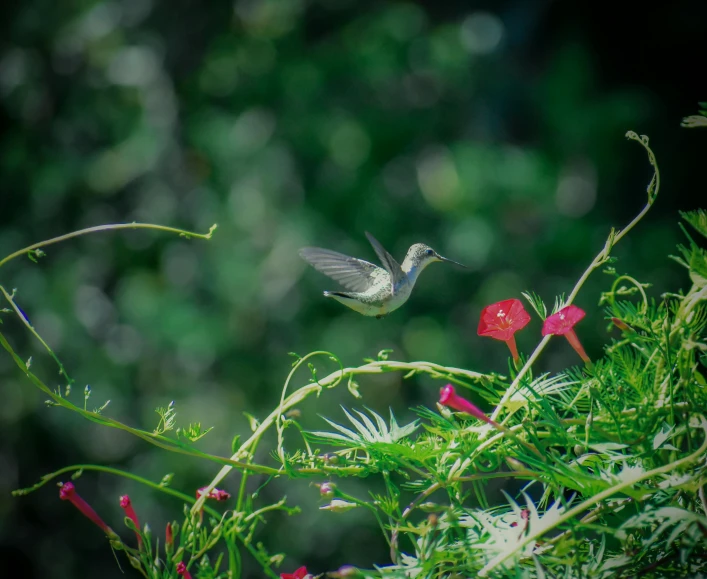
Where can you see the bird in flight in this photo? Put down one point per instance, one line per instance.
(374, 291)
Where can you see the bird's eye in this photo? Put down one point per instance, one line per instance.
(430, 252)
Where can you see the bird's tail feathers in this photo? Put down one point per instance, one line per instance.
(328, 294)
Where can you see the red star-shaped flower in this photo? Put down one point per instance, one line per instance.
(562, 324)
(502, 320)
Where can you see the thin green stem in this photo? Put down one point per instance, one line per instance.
(30, 327)
(108, 227)
(279, 418)
(636, 283)
(241, 491)
(155, 439)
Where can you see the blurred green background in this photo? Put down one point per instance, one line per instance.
(493, 131)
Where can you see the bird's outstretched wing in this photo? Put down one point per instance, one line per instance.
(354, 274)
(388, 261)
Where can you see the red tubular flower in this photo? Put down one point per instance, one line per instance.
(502, 320)
(562, 324)
(449, 397)
(127, 506)
(301, 573)
(67, 492)
(182, 570)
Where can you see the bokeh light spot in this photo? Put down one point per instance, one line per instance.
(576, 189)
(470, 241)
(438, 178)
(349, 145)
(481, 32)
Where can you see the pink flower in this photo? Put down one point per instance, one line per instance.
(67, 492)
(449, 397)
(216, 494)
(301, 573)
(502, 320)
(182, 570)
(562, 324)
(127, 506)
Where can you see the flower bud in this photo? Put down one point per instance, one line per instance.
(339, 506)
(621, 325)
(127, 507)
(168, 539)
(147, 531)
(515, 464)
(429, 507)
(345, 572)
(449, 397)
(327, 490)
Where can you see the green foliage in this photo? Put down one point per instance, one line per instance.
(168, 417)
(699, 120)
(608, 460)
(368, 434)
(536, 303)
(193, 432)
(698, 220)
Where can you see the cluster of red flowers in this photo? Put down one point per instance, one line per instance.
(67, 492)
(503, 319)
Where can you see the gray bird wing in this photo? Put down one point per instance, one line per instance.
(388, 261)
(354, 274)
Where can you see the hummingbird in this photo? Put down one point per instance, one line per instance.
(375, 291)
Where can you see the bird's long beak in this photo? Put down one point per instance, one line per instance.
(452, 261)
